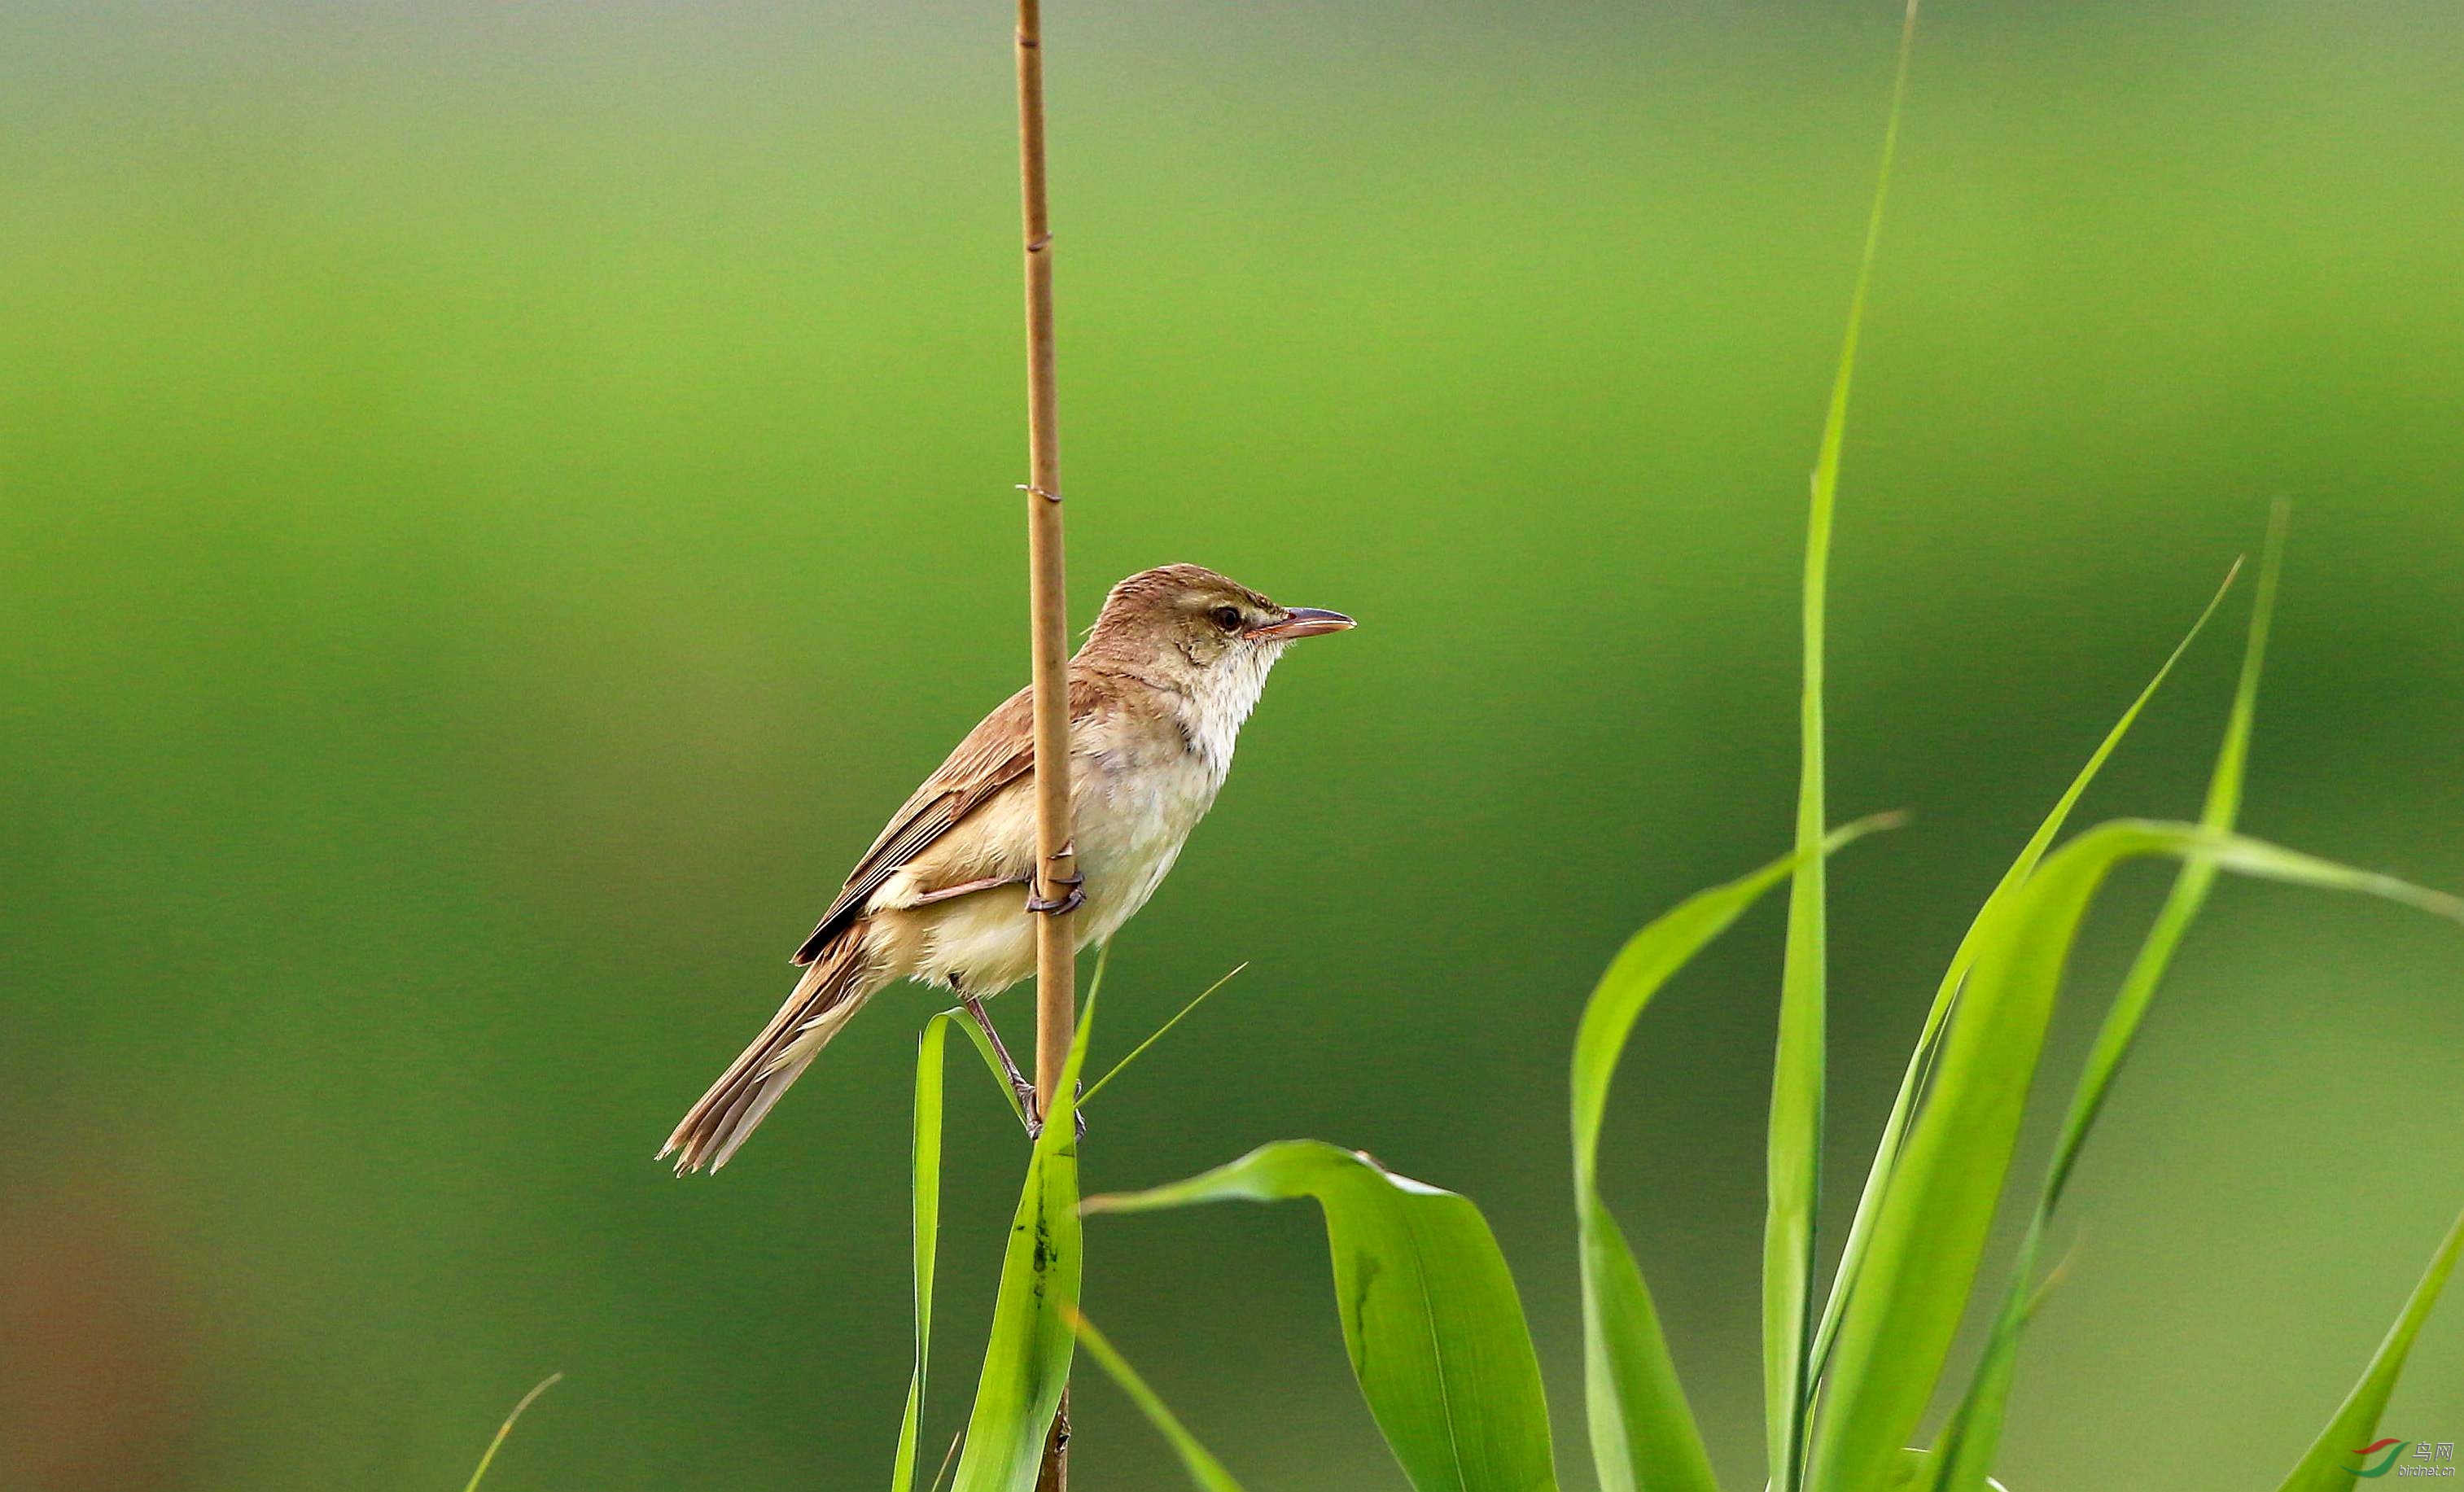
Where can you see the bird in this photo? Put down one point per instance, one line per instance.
(1172, 668)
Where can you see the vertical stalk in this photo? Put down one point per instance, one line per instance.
(1055, 960)
(1056, 974)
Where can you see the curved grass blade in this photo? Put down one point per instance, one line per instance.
(1894, 1129)
(2323, 1467)
(1975, 1433)
(489, 1455)
(1026, 1363)
(1203, 1467)
(926, 1155)
(1795, 1138)
(992, 1065)
(1939, 1205)
(1140, 1050)
(1430, 1316)
(1643, 1433)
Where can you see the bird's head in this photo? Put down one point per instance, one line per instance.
(1185, 619)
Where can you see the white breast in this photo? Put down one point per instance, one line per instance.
(1138, 799)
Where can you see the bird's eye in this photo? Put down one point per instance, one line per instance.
(1228, 618)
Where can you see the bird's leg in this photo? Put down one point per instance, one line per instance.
(968, 889)
(1070, 901)
(1029, 1109)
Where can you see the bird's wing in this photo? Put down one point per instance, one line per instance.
(996, 753)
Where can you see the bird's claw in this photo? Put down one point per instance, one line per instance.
(1034, 1116)
(1076, 899)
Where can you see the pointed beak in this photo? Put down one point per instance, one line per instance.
(1302, 622)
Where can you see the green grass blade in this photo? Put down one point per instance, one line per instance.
(1894, 1129)
(1643, 1433)
(1938, 1207)
(1026, 1363)
(2328, 1464)
(1430, 1316)
(1975, 1434)
(992, 1061)
(1139, 1051)
(507, 1428)
(1203, 1467)
(925, 1157)
(1103, 961)
(1795, 1138)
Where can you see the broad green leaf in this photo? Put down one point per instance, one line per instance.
(1795, 1135)
(489, 1455)
(1430, 1317)
(2328, 1465)
(1974, 1436)
(1643, 1434)
(1939, 1205)
(1203, 1467)
(1026, 1363)
(1894, 1129)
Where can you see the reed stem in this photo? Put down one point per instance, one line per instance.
(1056, 976)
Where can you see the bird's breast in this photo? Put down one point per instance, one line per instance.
(1138, 794)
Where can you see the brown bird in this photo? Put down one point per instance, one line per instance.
(1173, 667)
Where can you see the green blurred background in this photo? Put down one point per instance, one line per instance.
(498, 503)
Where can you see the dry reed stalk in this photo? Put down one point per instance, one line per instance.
(1056, 974)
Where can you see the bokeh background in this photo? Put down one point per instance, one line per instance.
(496, 502)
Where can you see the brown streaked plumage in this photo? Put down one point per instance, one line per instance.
(1172, 668)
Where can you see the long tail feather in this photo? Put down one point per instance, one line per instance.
(833, 988)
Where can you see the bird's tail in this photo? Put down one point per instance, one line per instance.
(833, 988)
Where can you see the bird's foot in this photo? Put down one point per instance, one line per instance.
(1063, 905)
(1030, 1110)
(1035, 1116)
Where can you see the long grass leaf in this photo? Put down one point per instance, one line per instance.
(489, 1455)
(2328, 1465)
(1938, 1207)
(1026, 1363)
(1852, 1256)
(1202, 1467)
(1643, 1434)
(1975, 1433)
(992, 1063)
(1161, 1032)
(1430, 1316)
(1103, 961)
(1796, 1137)
(926, 1192)
(925, 1154)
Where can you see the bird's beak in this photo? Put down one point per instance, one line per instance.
(1302, 622)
